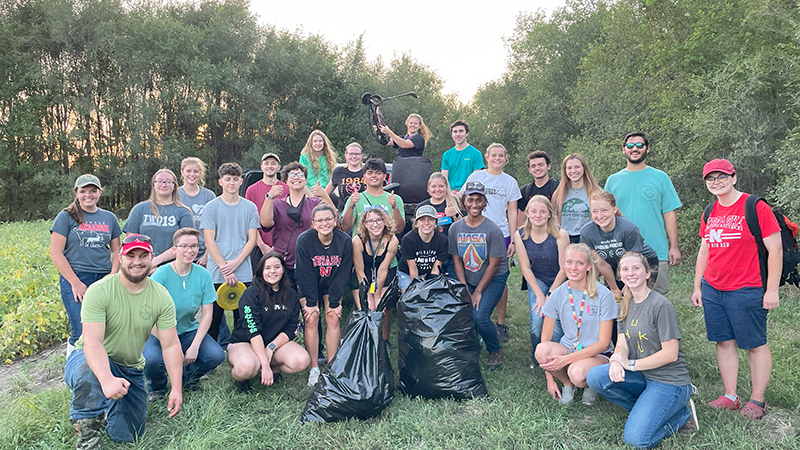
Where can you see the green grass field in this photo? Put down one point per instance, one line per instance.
(519, 414)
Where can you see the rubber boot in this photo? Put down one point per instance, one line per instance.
(87, 432)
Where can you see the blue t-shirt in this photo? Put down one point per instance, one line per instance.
(189, 293)
(598, 309)
(196, 204)
(87, 248)
(644, 196)
(231, 224)
(460, 164)
(159, 227)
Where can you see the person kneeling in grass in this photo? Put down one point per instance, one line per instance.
(192, 290)
(586, 310)
(269, 312)
(647, 374)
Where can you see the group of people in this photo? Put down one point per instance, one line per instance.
(297, 243)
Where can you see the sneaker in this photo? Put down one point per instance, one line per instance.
(502, 332)
(243, 386)
(589, 396)
(321, 358)
(534, 364)
(753, 411)
(692, 424)
(725, 403)
(313, 376)
(154, 396)
(496, 360)
(567, 394)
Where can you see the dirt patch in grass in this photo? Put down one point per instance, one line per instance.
(36, 373)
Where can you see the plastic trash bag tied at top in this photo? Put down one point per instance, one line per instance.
(359, 381)
(437, 342)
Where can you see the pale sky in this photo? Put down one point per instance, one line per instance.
(461, 41)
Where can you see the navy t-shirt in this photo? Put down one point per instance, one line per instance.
(419, 146)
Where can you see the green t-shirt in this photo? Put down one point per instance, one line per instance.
(129, 317)
(322, 176)
(367, 201)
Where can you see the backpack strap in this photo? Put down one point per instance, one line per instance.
(751, 217)
(707, 211)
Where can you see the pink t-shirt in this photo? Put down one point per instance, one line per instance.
(256, 193)
(732, 249)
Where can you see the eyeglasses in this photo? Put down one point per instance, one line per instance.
(185, 247)
(295, 175)
(131, 238)
(353, 154)
(373, 221)
(325, 220)
(721, 178)
(163, 182)
(630, 145)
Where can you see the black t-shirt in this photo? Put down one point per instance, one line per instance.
(423, 254)
(346, 182)
(529, 190)
(444, 221)
(419, 146)
(255, 319)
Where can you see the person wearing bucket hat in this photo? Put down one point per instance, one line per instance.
(105, 372)
(728, 284)
(424, 249)
(84, 242)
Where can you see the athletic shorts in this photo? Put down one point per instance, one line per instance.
(737, 315)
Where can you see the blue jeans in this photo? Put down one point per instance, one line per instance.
(74, 308)
(483, 315)
(537, 321)
(209, 356)
(126, 416)
(655, 410)
(450, 268)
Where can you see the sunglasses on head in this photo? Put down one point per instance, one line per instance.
(131, 238)
(630, 145)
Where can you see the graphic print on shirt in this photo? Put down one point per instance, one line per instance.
(92, 234)
(638, 337)
(472, 248)
(198, 212)
(723, 228)
(610, 248)
(152, 220)
(326, 263)
(575, 208)
(425, 259)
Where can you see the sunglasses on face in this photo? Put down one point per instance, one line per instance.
(131, 238)
(630, 145)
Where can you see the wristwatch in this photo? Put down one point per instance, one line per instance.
(268, 197)
(271, 346)
(632, 365)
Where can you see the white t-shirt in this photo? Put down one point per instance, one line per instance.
(500, 189)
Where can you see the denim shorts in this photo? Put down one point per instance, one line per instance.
(738, 315)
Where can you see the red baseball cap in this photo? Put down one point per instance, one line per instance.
(718, 165)
(133, 241)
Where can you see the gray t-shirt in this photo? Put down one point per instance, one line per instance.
(475, 246)
(196, 204)
(625, 237)
(575, 211)
(231, 224)
(598, 309)
(87, 248)
(646, 326)
(161, 227)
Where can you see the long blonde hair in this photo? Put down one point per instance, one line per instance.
(327, 150)
(552, 225)
(589, 182)
(449, 200)
(627, 295)
(193, 161)
(176, 200)
(423, 129)
(591, 275)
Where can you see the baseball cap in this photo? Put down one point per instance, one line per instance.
(87, 179)
(718, 165)
(425, 211)
(270, 155)
(474, 187)
(133, 241)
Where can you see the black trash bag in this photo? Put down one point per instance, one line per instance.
(359, 381)
(437, 342)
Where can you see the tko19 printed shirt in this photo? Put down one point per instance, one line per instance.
(475, 245)
(732, 250)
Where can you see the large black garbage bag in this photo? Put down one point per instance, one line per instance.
(437, 341)
(359, 381)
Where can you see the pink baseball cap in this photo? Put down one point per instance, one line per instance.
(718, 165)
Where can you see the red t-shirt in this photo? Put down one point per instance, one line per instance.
(257, 193)
(732, 250)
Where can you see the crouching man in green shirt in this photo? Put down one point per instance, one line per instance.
(105, 372)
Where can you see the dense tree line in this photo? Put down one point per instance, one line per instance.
(122, 88)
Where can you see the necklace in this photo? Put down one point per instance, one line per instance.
(183, 278)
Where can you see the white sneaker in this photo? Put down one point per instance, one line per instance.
(567, 393)
(313, 376)
(589, 396)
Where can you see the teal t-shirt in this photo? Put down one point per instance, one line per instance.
(460, 164)
(189, 293)
(313, 176)
(644, 196)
